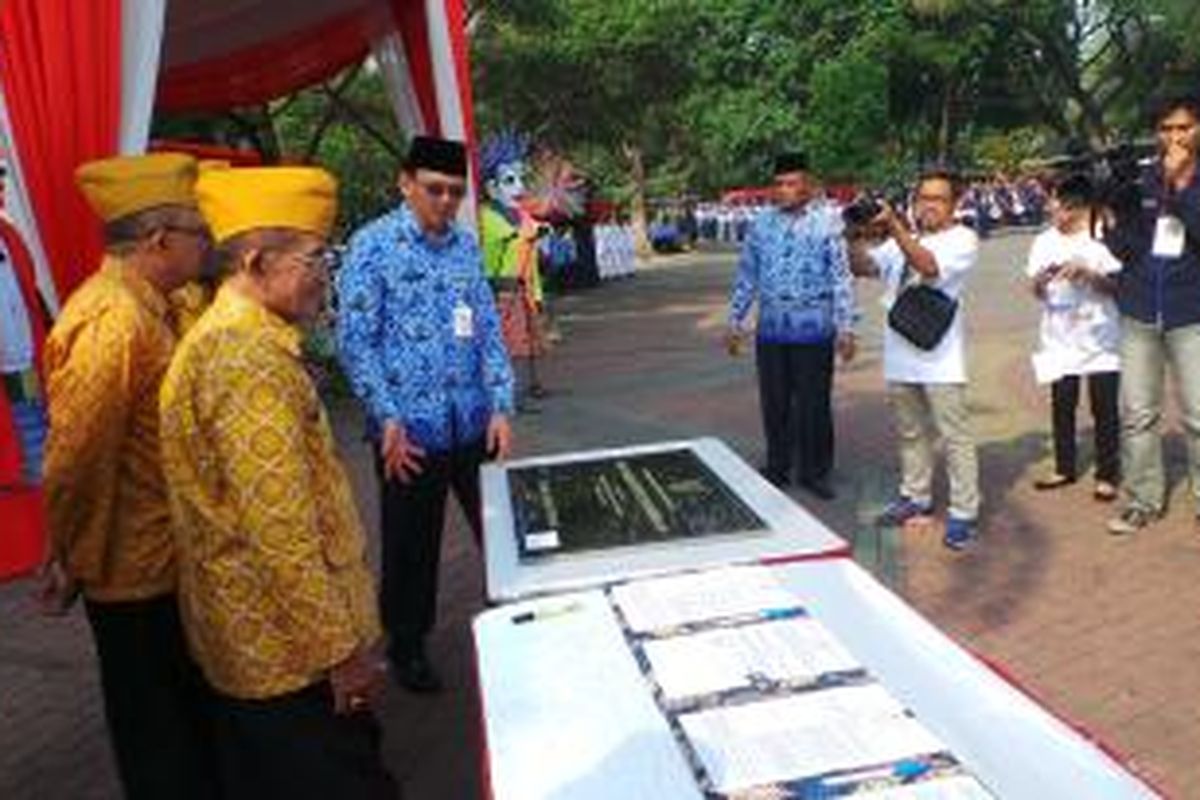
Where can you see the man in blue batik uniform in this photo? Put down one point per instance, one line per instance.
(794, 263)
(420, 340)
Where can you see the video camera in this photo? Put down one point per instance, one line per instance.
(867, 206)
(1116, 174)
(862, 210)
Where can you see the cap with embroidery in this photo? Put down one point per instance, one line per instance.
(118, 187)
(241, 199)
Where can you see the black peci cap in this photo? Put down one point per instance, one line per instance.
(790, 162)
(437, 155)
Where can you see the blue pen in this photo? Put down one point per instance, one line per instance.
(906, 770)
(781, 613)
(910, 769)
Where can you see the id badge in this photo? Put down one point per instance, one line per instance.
(464, 321)
(1169, 236)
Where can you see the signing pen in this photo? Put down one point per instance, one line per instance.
(545, 613)
(907, 769)
(781, 613)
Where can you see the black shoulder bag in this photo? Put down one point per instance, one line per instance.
(921, 313)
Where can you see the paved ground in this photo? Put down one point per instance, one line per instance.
(1105, 632)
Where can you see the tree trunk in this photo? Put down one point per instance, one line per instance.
(637, 171)
(943, 136)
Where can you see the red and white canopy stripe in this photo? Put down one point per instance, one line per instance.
(82, 80)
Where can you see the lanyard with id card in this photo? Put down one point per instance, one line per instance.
(1169, 237)
(464, 321)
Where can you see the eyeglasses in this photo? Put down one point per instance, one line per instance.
(441, 189)
(199, 231)
(324, 260)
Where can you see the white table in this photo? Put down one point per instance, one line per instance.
(791, 532)
(568, 715)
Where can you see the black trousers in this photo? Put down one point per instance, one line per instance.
(295, 747)
(413, 516)
(155, 701)
(1103, 396)
(795, 382)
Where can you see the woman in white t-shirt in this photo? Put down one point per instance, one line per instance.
(1074, 276)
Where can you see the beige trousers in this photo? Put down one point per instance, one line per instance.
(923, 413)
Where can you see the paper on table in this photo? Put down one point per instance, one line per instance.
(718, 660)
(660, 603)
(1047, 366)
(956, 787)
(803, 736)
(563, 701)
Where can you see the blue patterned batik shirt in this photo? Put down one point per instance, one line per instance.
(418, 333)
(795, 265)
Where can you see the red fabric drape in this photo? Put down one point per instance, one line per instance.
(456, 21)
(22, 546)
(10, 447)
(272, 68)
(413, 27)
(60, 65)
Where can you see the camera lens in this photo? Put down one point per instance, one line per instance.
(861, 211)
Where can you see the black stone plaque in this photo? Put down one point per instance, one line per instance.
(620, 501)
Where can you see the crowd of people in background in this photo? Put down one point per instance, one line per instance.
(999, 202)
(1117, 275)
(986, 204)
(727, 222)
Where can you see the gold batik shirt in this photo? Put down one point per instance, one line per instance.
(106, 501)
(274, 585)
(188, 304)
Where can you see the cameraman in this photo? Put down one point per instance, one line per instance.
(927, 389)
(1158, 295)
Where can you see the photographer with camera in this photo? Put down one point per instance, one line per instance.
(1158, 294)
(794, 264)
(923, 354)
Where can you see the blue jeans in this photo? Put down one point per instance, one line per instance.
(1146, 353)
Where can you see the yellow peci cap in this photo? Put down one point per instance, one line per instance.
(207, 164)
(118, 187)
(242, 199)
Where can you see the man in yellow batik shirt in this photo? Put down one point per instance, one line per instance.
(191, 300)
(106, 497)
(277, 599)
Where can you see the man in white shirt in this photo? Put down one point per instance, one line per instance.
(927, 389)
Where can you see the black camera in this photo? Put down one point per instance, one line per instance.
(1115, 174)
(864, 209)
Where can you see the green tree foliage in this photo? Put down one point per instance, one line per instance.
(847, 107)
(1007, 151)
(707, 90)
(582, 75)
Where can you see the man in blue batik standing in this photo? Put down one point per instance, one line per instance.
(420, 340)
(794, 263)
